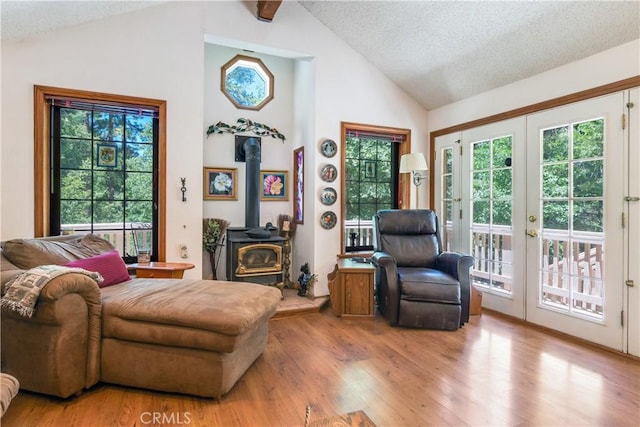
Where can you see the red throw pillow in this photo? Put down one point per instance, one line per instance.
(109, 264)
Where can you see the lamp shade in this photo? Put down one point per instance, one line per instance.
(413, 162)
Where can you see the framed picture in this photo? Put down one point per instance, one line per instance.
(107, 156)
(220, 184)
(298, 185)
(274, 185)
(369, 169)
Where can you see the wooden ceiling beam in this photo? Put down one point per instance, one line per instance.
(267, 9)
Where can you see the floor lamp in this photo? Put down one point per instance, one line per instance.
(412, 163)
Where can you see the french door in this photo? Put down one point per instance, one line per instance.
(538, 201)
(574, 219)
(447, 187)
(631, 303)
(480, 190)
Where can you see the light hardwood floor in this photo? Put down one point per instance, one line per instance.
(494, 371)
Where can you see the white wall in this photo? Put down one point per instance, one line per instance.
(159, 52)
(219, 149)
(612, 65)
(155, 53)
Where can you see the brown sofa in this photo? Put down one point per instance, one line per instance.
(187, 336)
(9, 387)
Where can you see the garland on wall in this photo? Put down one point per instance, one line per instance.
(246, 125)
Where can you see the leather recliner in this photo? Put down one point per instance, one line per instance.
(417, 284)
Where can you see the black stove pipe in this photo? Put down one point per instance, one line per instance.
(252, 195)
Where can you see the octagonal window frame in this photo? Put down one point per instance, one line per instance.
(260, 70)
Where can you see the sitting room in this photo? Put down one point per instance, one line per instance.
(274, 213)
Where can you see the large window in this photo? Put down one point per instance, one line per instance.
(371, 181)
(103, 167)
(102, 173)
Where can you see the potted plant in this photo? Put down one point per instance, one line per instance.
(213, 234)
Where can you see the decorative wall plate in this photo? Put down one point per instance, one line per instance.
(329, 173)
(328, 196)
(329, 148)
(328, 220)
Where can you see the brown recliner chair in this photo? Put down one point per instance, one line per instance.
(417, 284)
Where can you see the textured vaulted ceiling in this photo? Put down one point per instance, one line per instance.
(444, 51)
(22, 18)
(438, 51)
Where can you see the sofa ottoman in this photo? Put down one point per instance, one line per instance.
(186, 336)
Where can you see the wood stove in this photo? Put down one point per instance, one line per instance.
(257, 260)
(253, 254)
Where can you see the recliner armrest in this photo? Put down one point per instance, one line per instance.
(457, 265)
(383, 259)
(387, 286)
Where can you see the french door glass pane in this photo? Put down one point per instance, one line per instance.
(588, 178)
(572, 196)
(555, 144)
(447, 196)
(491, 201)
(555, 215)
(481, 155)
(588, 215)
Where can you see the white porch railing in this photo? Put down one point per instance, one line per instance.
(492, 257)
(358, 235)
(571, 273)
(122, 239)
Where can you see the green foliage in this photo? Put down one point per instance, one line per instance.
(90, 193)
(368, 177)
(245, 125)
(448, 160)
(246, 86)
(572, 178)
(555, 144)
(212, 231)
(555, 215)
(588, 139)
(492, 181)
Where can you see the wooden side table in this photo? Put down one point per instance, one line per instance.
(351, 289)
(161, 270)
(475, 306)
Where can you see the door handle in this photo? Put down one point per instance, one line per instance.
(532, 233)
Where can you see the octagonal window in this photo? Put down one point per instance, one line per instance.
(247, 82)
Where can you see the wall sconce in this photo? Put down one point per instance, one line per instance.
(412, 163)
